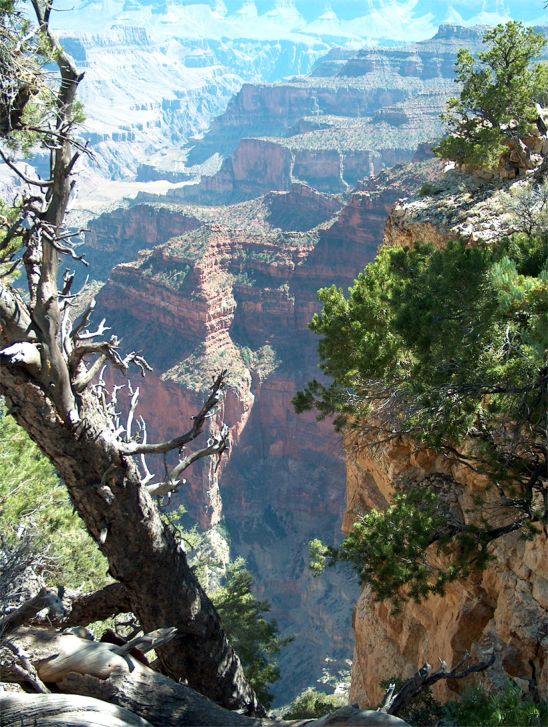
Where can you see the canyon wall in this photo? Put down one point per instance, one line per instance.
(355, 114)
(503, 608)
(238, 292)
(145, 96)
(226, 278)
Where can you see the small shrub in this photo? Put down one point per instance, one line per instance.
(426, 190)
(312, 703)
(505, 708)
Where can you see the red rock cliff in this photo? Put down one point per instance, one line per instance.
(239, 294)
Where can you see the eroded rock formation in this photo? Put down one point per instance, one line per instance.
(353, 116)
(239, 292)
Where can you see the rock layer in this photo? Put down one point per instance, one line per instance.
(238, 293)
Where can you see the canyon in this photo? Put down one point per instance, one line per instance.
(296, 180)
(234, 289)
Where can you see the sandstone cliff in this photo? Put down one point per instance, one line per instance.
(237, 292)
(504, 607)
(353, 116)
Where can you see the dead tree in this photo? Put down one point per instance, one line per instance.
(49, 367)
(93, 678)
(395, 701)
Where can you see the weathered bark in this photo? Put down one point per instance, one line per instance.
(25, 710)
(166, 709)
(107, 672)
(97, 606)
(47, 386)
(423, 679)
(159, 700)
(142, 553)
(164, 704)
(46, 598)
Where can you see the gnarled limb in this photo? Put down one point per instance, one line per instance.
(76, 429)
(394, 701)
(82, 609)
(15, 668)
(60, 710)
(199, 419)
(45, 598)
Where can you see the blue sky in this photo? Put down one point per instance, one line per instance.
(400, 20)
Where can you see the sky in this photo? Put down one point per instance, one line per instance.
(400, 20)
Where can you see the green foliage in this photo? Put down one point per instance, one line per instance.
(25, 99)
(442, 345)
(311, 703)
(426, 190)
(434, 332)
(389, 548)
(33, 500)
(504, 708)
(498, 96)
(255, 639)
(10, 238)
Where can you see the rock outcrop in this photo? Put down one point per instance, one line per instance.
(354, 115)
(238, 292)
(505, 607)
(146, 95)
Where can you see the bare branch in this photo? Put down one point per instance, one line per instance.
(164, 489)
(83, 609)
(45, 598)
(423, 679)
(131, 413)
(68, 280)
(143, 432)
(105, 348)
(197, 427)
(84, 380)
(22, 176)
(85, 318)
(16, 668)
(101, 329)
(149, 641)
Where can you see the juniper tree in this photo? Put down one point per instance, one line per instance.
(496, 106)
(447, 347)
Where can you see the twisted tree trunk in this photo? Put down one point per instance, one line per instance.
(48, 368)
(141, 552)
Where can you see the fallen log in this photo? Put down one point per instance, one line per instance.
(54, 654)
(64, 710)
(110, 678)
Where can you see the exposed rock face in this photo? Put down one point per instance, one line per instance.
(353, 116)
(118, 236)
(138, 119)
(238, 293)
(505, 607)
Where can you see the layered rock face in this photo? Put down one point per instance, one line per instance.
(145, 96)
(505, 607)
(353, 116)
(237, 292)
